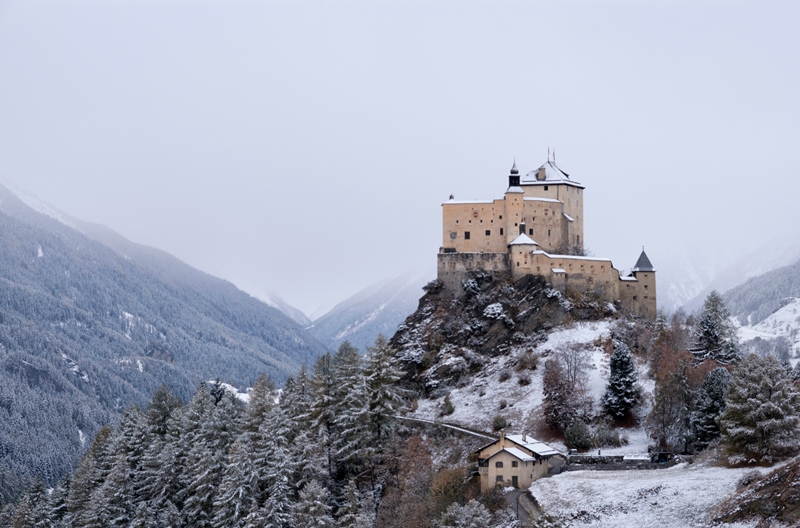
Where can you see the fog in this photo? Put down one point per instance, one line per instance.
(305, 147)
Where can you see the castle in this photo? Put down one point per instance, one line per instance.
(536, 228)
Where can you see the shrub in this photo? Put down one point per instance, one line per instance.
(524, 379)
(447, 406)
(499, 422)
(503, 404)
(527, 361)
(504, 375)
(578, 436)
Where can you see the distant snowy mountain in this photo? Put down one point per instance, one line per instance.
(91, 323)
(755, 262)
(784, 323)
(680, 280)
(376, 310)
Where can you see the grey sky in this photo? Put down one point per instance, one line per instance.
(305, 147)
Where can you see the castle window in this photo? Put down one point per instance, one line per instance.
(501, 230)
(645, 286)
(466, 235)
(481, 220)
(530, 231)
(548, 232)
(514, 463)
(546, 187)
(634, 297)
(498, 464)
(470, 221)
(488, 232)
(501, 217)
(456, 221)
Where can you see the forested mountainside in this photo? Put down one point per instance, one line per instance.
(87, 330)
(761, 296)
(377, 310)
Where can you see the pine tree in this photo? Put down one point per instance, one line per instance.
(622, 392)
(709, 405)
(312, 509)
(714, 334)
(760, 420)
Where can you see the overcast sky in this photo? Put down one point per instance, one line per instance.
(305, 147)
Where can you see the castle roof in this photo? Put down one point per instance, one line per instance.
(643, 264)
(553, 175)
(523, 239)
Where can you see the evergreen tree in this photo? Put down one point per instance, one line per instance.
(708, 407)
(89, 475)
(714, 334)
(385, 396)
(760, 420)
(312, 509)
(111, 505)
(622, 392)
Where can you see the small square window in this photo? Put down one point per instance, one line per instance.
(488, 232)
(466, 235)
(501, 217)
(499, 478)
(514, 463)
(498, 464)
(546, 187)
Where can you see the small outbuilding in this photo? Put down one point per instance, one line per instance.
(516, 460)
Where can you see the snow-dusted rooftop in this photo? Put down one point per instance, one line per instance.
(573, 257)
(518, 453)
(523, 239)
(553, 175)
(534, 199)
(533, 445)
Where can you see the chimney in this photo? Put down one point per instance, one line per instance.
(524, 438)
(502, 439)
(541, 175)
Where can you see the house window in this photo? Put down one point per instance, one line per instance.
(514, 463)
(488, 232)
(498, 464)
(499, 478)
(466, 235)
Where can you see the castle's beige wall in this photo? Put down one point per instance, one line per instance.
(453, 267)
(638, 297)
(475, 218)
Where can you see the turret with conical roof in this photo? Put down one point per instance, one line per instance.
(645, 274)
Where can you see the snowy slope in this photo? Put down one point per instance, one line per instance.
(785, 322)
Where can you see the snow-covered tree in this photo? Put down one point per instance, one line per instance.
(622, 391)
(714, 333)
(760, 420)
(312, 509)
(385, 396)
(471, 515)
(709, 405)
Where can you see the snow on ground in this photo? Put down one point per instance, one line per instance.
(678, 497)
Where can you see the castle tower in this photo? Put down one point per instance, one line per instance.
(645, 275)
(549, 182)
(514, 204)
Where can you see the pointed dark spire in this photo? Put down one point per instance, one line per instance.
(513, 177)
(643, 264)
